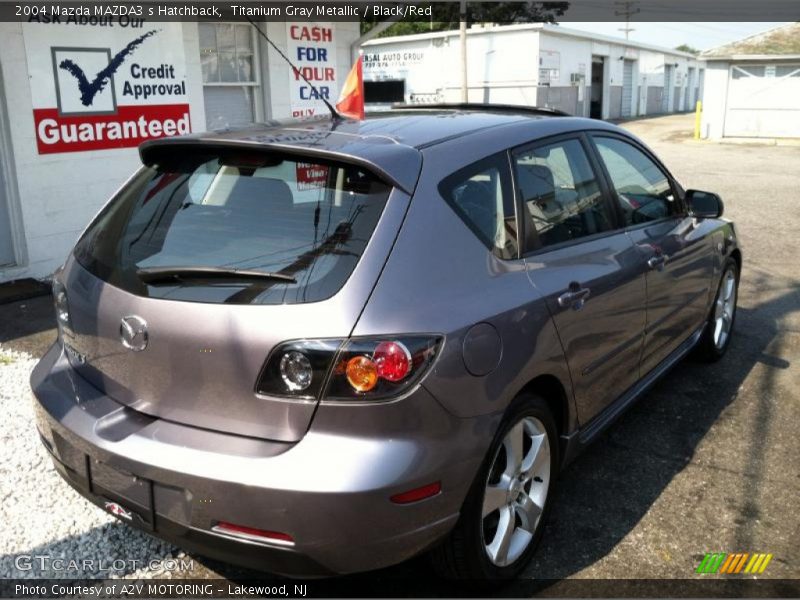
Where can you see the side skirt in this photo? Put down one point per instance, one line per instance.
(574, 443)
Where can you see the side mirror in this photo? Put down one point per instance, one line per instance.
(704, 205)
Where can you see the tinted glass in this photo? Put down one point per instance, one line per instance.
(384, 91)
(560, 193)
(305, 221)
(642, 187)
(481, 195)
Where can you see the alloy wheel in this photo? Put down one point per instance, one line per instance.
(724, 309)
(516, 491)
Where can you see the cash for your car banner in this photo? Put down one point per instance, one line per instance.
(105, 86)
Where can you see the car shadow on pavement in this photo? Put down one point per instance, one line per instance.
(607, 491)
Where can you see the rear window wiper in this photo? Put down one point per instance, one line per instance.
(167, 274)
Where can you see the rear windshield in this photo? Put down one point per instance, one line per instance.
(187, 228)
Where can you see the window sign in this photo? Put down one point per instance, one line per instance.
(97, 87)
(312, 49)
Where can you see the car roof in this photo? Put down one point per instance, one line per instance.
(388, 143)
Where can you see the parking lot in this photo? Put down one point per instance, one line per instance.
(706, 462)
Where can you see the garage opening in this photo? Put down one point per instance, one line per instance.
(384, 92)
(596, 104)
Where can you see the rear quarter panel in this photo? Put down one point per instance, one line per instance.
(440, 278)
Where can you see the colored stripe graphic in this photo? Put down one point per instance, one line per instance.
(711, 562)
(726, 565)
(721, 562)
(765, 563)
(740, 564)
(758, 563)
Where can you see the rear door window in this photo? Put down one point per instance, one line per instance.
(481, 195)
(303, 224)
(561, 196)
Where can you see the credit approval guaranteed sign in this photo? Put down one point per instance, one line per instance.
(97, 87)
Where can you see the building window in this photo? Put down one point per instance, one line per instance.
(229, 64)
(787, 71)
(748, 71)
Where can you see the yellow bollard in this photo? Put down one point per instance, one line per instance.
(697, 114)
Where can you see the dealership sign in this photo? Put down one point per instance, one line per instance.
(312, 49)
(100, 87)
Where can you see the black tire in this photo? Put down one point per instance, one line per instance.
(708, 349)
(463, 553)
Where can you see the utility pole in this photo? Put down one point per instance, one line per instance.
(626, 9)
(463, 40)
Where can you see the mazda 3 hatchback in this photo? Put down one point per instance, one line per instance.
(327, 346)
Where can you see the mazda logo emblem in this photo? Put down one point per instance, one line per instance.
(133, 333)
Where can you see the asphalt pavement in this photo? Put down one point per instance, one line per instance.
(709, 460)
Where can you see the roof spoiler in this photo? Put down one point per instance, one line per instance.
(396, 164)
(478, 106)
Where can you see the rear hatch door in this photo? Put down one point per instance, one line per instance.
(205, 262)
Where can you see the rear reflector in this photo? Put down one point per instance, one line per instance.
(417, 494)
(252, 534)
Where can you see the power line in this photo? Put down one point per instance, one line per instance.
(626, 9)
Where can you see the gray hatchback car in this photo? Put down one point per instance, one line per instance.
(324, 347)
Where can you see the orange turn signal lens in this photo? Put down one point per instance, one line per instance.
(362, 373)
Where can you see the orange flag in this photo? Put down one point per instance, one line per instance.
(351, 99)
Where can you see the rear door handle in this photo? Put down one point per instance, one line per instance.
(657, 262)
(575, 297)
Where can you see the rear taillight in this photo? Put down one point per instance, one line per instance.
(61, 306)
(358, 368)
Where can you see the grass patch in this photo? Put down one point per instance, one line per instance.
(6, 359)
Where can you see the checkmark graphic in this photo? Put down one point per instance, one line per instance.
(90, 89)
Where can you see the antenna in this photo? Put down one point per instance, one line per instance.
(335, 116)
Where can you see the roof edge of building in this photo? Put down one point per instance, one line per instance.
(756, 57)
(538, 27)
(719, 52)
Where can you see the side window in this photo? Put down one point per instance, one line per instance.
(642, 187)
(481, 196)
(560, 193)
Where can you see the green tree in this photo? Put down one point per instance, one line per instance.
(687, 48)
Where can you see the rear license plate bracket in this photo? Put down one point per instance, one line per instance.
(127, 496)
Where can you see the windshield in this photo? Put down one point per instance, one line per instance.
(208, 221)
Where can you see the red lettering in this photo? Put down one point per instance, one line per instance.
(311, 34)
(314, 74)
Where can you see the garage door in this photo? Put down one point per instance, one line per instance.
(667, 88)
(627, 88)
(763, 101)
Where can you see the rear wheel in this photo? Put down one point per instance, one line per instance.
(719, 328)
(503, 516)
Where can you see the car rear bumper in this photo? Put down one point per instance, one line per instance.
(330, 491)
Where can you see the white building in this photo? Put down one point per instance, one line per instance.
(66, 144)
(579, 72)
(753, 86)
